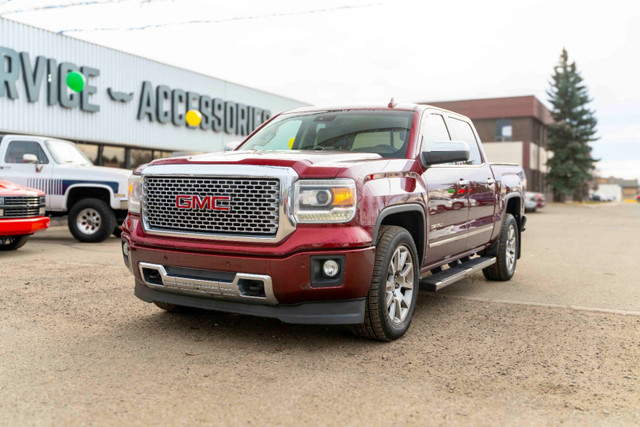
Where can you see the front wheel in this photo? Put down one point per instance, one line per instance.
(91, 220)
(394, 286)
(505, 266)
(11, 243)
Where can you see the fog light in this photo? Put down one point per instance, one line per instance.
(126, 252)
(330, 268)
(42, 211)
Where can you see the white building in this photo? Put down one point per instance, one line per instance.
(131, 110)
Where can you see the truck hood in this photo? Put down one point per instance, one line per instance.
(316, 164)
(95, 172)
(11, 189)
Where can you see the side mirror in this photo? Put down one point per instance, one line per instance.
(445, 152)
(30, 158)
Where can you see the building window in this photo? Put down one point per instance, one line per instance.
(91, 150)
(140, 156)
(113, 157)
(504, 130)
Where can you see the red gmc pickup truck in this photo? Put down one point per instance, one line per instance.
(328, 216)
(22, 212)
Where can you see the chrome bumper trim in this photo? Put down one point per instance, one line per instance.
(210, 288)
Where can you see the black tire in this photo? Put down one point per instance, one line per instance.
(378, 323)
(11, 243)
(117, 231)
(507, 258)
(91, 220)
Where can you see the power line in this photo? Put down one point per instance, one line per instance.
(63, 6)
(218, 21)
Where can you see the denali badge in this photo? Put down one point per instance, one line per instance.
(194, 201)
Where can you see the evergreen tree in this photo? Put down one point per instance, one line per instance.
(575, 126)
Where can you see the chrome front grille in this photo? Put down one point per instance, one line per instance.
(21, 206)
(252, 207)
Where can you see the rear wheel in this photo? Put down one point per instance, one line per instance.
(11, 243)
(394, 286)
(505, 266)
(91, 220)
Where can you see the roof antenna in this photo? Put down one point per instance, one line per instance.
(392, 103)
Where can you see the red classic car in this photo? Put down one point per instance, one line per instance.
(21, 214)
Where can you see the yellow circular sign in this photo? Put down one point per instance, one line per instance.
(193, 118)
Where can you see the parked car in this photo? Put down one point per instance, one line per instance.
(94, 198)
(534, 201)
(21, 214)
(326, 216)
(530, 202)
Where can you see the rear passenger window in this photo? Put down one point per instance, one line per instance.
(433, 130)
(462, 131)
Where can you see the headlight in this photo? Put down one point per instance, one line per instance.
(135, 193)
(324, 201)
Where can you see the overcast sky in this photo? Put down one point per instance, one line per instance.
(355, 51)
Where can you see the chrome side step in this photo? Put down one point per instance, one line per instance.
(437, 281)
(240, 286)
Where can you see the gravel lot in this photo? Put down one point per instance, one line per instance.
(559, 344)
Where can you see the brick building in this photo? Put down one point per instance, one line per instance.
(512, 130)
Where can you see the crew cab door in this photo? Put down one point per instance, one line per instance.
(13, 168)
(481, 185)
(447, 198)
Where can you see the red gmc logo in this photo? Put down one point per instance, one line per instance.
(194, 201)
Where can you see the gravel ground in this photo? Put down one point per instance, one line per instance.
(76, 347)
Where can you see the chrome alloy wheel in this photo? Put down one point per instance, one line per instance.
(511, 248)
(88, 221)
(399, 290)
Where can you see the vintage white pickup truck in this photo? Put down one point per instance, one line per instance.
(95, 198)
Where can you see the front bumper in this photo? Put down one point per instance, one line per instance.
(319, 312)
(214, 281)
(22, 226)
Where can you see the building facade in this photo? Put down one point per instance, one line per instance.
(512, 130)
(131, 109)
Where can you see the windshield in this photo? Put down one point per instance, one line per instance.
(65, 152)
(361, 131)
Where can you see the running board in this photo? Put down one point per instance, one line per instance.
(437, 281)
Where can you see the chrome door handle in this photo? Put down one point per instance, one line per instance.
(463, 182)
(491, 181)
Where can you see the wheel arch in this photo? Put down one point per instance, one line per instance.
(408, 216)
(514, 205)
(77, 192)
